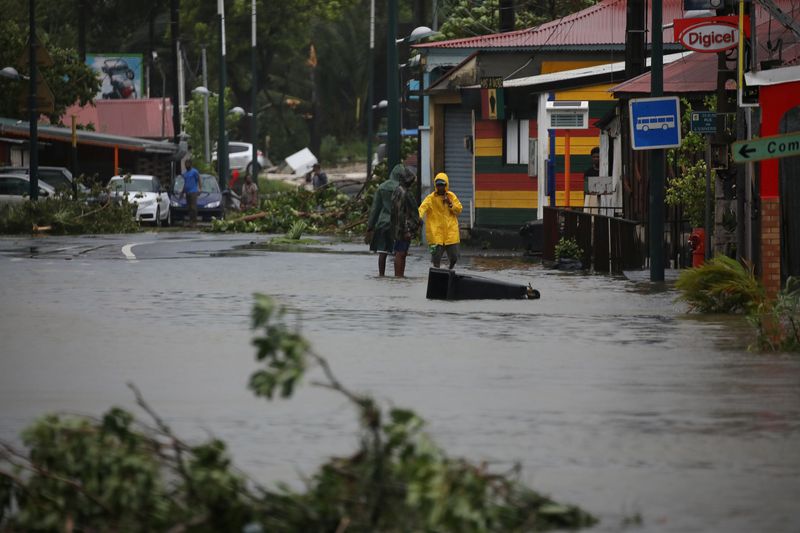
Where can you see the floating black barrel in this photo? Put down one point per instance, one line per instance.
(445, 284)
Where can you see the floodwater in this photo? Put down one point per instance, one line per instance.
(605, 391)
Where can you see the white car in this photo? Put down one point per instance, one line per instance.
(152, 203)
(15, 189)
(240, 155)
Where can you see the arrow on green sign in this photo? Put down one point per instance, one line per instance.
(766, 148)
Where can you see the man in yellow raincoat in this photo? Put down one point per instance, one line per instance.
(440, 209)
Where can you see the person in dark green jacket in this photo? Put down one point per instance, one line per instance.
(405, 220)
(379, 226)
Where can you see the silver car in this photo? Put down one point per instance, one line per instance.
(152, 203)
(15, 189)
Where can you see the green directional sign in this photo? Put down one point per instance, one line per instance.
(766, 148)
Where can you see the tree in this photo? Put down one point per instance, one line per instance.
(468, 18)
(195, 123)
(70, 80)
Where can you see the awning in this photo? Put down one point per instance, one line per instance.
(21, 129)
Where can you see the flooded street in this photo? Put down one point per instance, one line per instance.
(605, 391)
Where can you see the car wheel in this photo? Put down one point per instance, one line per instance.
(158, 217)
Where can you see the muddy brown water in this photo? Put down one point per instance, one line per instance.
(605, 391)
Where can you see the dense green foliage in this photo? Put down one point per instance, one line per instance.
(687, 186)
(720, 285)
(195, 126)
(69, 80)
(468, 18)
(724, 285)
(568, 248)
(777, 321)
(117, 474)
(323, 210)
(63, 215)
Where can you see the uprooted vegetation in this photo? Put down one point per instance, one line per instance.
(63, 215)
(325, 210)
(724, 285)
(118, 474)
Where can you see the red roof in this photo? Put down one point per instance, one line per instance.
(603, 23)
(140, 117)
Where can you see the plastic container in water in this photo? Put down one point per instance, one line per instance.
(445, 284)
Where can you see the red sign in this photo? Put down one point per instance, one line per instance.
(710, 34)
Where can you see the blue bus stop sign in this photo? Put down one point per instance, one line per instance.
(655, 122)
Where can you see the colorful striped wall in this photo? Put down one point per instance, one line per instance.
(581, 141)
(504, 194)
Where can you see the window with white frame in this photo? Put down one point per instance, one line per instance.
(516, 147)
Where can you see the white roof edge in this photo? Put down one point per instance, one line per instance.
(773, 76)
(577, 73)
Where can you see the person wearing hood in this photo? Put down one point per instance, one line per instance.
(379, 225)
(405, 220)
(440, 209)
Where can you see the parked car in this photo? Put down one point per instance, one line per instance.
(60, 178)
(152, 203)
(210, 203)
(15, 189)
(240, 156)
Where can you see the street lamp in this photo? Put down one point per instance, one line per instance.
(421, 32)
(417, 34)
(222, 144)
(12, 74)
(254, 91)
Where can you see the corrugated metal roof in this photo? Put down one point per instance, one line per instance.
(140, 117)
(697, 72)
(603, 23)
(599, 27)
(21, 129)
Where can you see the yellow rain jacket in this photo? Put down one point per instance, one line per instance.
(441, 224)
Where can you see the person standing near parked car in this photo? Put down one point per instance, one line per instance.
(249, 194)
(442, 208)
(191, 189)
(318, 178)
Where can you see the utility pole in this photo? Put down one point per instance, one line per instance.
(206, 127)
(371, 87)
(174, 22)
(657, 156)
(635, 43)
(392, 89)
(222, 143)
(254, 74)
(32, 107)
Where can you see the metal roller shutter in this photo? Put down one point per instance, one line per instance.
(457, 159)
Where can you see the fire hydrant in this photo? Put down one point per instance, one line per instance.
(697, 244)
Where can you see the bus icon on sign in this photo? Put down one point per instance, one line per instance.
(655, 122)
(662, 122)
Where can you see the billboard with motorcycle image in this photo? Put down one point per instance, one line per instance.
(120, 75)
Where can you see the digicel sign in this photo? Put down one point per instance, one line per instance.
(710, 34)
